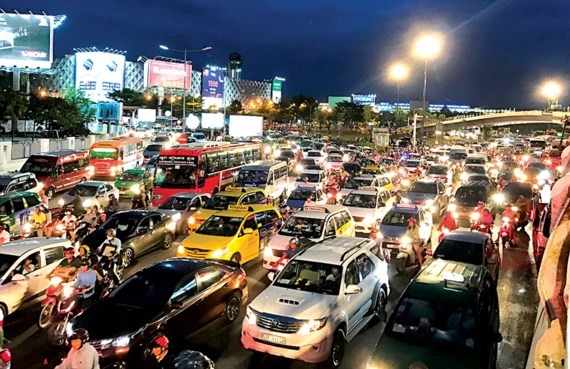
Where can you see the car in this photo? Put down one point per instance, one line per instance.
(19, 287)
(238, 234)
(140, 232)
(174, 297)
(465, 199)
(288, 153)
(386, 161)
(324, 296)
(304, 163)
(311, 177)
(153, 149)
(333, 162)
(367, 206)
(16, 182)
(93, 193)
(440, 172)
(448, 314)
(316, 155)
(362, 181)
(470, 247)
(393, 226)
(181, 206)
(316, 223)
(129, 181)
(472, 169)
(352, 169)
(298, 197)
(431, 160)
(16, 208)
(429, 194)
(221, 200)
(413, 165)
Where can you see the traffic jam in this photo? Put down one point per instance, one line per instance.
(325, 225)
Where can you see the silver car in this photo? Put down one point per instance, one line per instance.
(92, 193)
(181, 206)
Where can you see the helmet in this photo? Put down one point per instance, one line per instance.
(480, 203)
(412, 220)
(80, 334)
(160, 341)
(294, 240)
(85, 262)
(6, 355)
(112, 231)
(85, 248)
(69, 250)
(374, 230)
(41, 192)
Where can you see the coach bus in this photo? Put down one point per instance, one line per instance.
(205, 167)
(112, 157)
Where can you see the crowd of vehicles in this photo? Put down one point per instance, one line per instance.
(352, 212)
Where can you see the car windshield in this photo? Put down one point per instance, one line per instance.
(162, 139)
(413, 163)
(176, 177)
(334, 159)
(220, 226)
(423, 187)
(537, 165)
(358, 200)
(356, 183)
(83, 190)
(249, 177)
(457, 156)
(6, 261)
(311, 277)
(398, 218)
(220, 202)
(510, 165)
(39, 169)
(313, 154)
(287, 153)
(437, 170)
(478, 178)
(475, 161)
(154, 147)
(104, 154)
(299, 226)
(475, 169)
(470, 196)
(302, 195)
(308, 177)
(433, 321)
(464, 252)
(124, 226)
(131, 177)
(143, 290)
(176, 203)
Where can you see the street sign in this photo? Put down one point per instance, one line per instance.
(183, 139)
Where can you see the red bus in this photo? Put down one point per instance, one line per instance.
(112, 157)
(205, 167)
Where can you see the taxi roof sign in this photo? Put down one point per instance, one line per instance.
(318, 209)
(454, 277)
(239, 207)
(235, 189)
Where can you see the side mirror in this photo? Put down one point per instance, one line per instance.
(429, 252)
(175, 305)
(331, 233)
(496, 337)
(353, 289)
(259, 225)
(142, 230)
(271, 276)
(247, 231)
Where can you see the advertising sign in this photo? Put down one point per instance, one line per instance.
(173, 160)
(333, 100)
(26, 40)
(109, 111)
(246, 126)
(98, 73)
(364, 99)
(160, 73)
(212, 120)
(146, 115)
(212, 88)
(276, 90)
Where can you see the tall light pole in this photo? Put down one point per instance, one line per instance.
(398, 72)
(552, 91)
(427, 47)
(185, 51)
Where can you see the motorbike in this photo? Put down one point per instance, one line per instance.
(407, 256)
(507, 232)
(67, 308)
(53, 294)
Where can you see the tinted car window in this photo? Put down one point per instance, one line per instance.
(18, 204)
(185, 290)
(209, 277)
(53, 254)
(32, 201)
(464, 252)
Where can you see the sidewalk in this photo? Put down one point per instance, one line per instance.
(12, 166)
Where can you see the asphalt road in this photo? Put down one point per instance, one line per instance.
(517, 295)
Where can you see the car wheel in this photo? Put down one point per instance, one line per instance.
(337, 350)
(236, 258)
(233, 308)
(167, 241)
(128, 257)
(50, 192)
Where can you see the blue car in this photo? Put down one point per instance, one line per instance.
(297, 199)
(394, 224)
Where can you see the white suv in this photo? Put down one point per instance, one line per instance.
(320, 301)
(367, 205)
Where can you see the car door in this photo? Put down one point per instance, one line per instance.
(12, 292)
(36, 279)
(186, 307)
(145, 241)
(249, 243)
(214, 290)
(369, 279)
(353, 303)
(158, 224)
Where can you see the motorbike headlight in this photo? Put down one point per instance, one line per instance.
(475, 216)
(181, 250)
(55, 281)
(69, 329)
(267, 150)
(277, 153)
(429, 202)
(251, 316)
(433, 209)
(135, 189)
(525, 158)
(499, 198)
(406, 201)
(514, 208)
(171, 226)
(494, 172)
(312, 325)
(452, 207)
(60, 227)
(27, 228)
(298, 167)
(560, 168)
(40, 186)
(219, 253)
(391, 174)
(87, 203)
(67, 291)
(268, 252)
(405, 182)
(506, 219)
(339, 196)
(522, 177)
(328, 165)
(464, 176)
(455, 215)
(122, 341)
(544, 175)
(176, 217)
(61, 202)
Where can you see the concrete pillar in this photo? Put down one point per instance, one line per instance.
(70, 143)
(16, 80)
(44, 144)
(5, 152)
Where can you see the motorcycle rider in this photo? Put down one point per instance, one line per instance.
(112, 242)
(4, 234)
(161, 357)
(448, 222)
(69, 265)
(113, 206)
(44, 199)
(510, 213)
(139, 199)
(85, 283)
(77, 205)
(82, 355)
(291, 251)
(39, 220)
(69, 221)
(413, 232)
(85, 254)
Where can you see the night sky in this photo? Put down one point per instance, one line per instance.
(496, 53)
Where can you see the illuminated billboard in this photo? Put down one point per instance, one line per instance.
(212, 88)
(364, 99)
(167, 74)
(98, 73)
(212, 120)
(276, 90)
(246, 126)
(26, 40)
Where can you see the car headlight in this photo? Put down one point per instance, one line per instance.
(514, 208)
(369, 219)
(69, 329)
(277, 153)
(219, 253)
(522, 177)
(391, 174)
(328, 165)
(176, 217)
(135, 189)
(433, 209)
(113, 169)
(55, 281)
(87, 203)
(499, 198)
(268, 252)
(525, 157)
(464, 176)
(61, 202)
(312, 325)
(181, 250)
(475, 216)
(560, 168)
(429, 202)
(122, 341)
(171, 226)
(451, 207)
(40, 185)
(405, 182)
(544, 175)
(251, 316)
(406, 201)
(298, 167)
(494, 172)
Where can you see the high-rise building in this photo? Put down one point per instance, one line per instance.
(235, 64)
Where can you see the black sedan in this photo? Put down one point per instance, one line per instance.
(176, 297)
(140, 231)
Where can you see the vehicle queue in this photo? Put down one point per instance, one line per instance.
(327, 239)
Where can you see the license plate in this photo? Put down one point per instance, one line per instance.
(272, 338)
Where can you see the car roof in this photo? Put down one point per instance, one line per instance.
(368, 191)
(20, 247)
(176, 266)
(135, 213)
(91, 183)
(238, 191)
(475, 165)
(186, 195)
(335, 250)
(12, 175)
(252, 208)
(317, 214)
(135, 170)
(263, 165)
(427, 180)
(14, 195)
(466, 236)
(406, 208)
(310, 171)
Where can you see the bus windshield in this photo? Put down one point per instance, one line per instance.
(104, 154)
(173, 177)
(256, 177)
(39, 169)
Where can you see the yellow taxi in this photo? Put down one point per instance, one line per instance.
(221, 200)
(237, 234)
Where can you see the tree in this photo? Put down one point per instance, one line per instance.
(487, 133)
(53, 112)
(235, 107)
(78, 99)
(194, 104)
(13, 105)
(128, 97)
(349, 113)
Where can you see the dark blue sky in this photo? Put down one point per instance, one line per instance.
(496, 52)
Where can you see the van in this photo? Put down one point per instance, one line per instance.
(16, 208)
(59, 170)
(17, 182)
(272, 176)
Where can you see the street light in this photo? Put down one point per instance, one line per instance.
(185, 51)
(427, 47)
(552, 91)
(398, 72)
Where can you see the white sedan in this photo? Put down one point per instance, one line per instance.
(92, 193)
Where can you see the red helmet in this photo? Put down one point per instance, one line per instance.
(6, 355)
(480, 203)
(160, 341)
(69, 250)
(412, 220)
